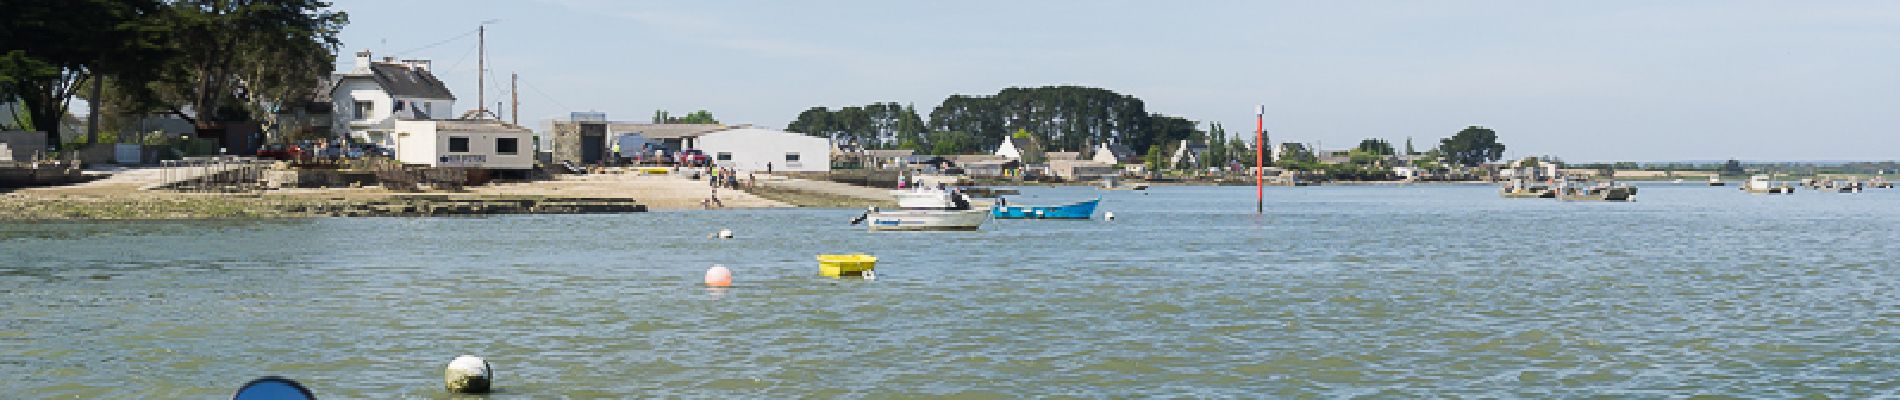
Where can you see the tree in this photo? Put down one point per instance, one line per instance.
(1216, 145)
(878, 125)
(1064, 117)
(1472, 146)
(696, 117)
(952, 142)
(236, 59)
(53, 47)
(1244, 153)
(1375, 147)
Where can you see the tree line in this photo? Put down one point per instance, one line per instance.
(1061, 118)
(1073, 118)
(205, 61)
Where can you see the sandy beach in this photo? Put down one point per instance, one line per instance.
(128, 194)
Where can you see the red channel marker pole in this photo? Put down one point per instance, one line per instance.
(1260, 159)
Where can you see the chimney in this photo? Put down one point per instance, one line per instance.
(362, 59)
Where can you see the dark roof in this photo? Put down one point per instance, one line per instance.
(403, 81)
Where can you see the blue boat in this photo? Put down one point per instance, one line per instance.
(1078, 210)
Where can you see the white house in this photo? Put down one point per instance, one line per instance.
(754, 149)
(1189, 153)
(473, 143)
(368, 100)
(1115, 154)
(1012, 148)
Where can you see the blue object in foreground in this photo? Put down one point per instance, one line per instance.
(273, 388)
(1078, 210)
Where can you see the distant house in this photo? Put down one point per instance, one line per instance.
(992, 168)
(1334, 156)
(754, 149)
(366, 102)
(886, 159)
(1012, 148)
(470, 143)
(1082, 170)
(1115, 154)
(1188, 153)
(1064, 155)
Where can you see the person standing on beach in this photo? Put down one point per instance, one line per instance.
(768, 167)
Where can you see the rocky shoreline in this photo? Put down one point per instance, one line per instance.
(239, 206)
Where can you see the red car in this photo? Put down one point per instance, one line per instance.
(695, 158)
(280, 152)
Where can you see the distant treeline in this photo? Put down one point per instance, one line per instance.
(1060, 118)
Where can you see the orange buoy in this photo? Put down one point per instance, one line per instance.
(718, 276)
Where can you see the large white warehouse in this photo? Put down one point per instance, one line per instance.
(753, 149)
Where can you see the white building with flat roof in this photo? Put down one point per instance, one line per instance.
(469, 143)
(755, 149)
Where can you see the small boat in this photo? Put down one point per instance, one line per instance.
(1715, 180)
(1607, 191)
(1078, 210)
(1759, 184)
(1518, 189)
(926, 209)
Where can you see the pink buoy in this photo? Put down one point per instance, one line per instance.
(718, 276)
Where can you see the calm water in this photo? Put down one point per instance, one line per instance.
(1336, 292)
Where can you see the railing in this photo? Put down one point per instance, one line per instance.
(213, 174)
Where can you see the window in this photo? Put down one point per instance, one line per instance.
(507, 145)
(428, 109)
(791, 157)
(458, 144)
(724, 156)
(363, 109)
(398, 105)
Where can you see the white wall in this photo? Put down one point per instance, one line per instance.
(424, 143)
(751, 148)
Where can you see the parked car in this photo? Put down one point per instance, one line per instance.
(695, 158)
(280, 152)
(373, 150)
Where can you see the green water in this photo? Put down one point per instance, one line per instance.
(1336, 292)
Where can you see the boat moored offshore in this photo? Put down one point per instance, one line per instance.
(1764, 186)
(926, 209)
(1078, 210)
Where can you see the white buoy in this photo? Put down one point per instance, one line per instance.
(468, 374)
(725, 233)
(870, 275)
(1108, 216)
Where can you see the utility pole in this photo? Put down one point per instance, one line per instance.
(481, 68)
(514, 92)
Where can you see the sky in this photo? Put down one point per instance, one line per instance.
(1584, 81)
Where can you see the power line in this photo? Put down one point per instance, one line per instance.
(432, 45)
(551, 99)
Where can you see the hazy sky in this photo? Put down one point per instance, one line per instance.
(1584, 80)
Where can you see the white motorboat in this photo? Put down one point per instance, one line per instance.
(927, 209)
(1761, 184)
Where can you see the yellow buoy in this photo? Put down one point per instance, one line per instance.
(845, 264)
